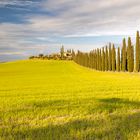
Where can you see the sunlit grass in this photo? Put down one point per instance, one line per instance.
(60, 100)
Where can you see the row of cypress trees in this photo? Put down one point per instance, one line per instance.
(110, 58)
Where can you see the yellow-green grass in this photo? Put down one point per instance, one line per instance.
(60, 100)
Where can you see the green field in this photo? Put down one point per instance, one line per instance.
(60, 100)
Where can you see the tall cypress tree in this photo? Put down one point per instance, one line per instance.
(97, 59)
(137, 53)
(62, 52)
(86, 59)
(93, 59)
(100, 59)
(110, 58)
(73, 55)
(103, 59)
(106, 58)
(90, 59)
(118, 59)
(121, 61)
(130, 56)
(113, 58)
(124, 56)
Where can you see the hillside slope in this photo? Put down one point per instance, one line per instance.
(60, 100)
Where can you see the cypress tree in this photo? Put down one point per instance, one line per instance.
(137, 52)
(97, 59)
(62, 52)
(113, 58)
(86, 60)
(103, 59)
(121, 58)
(130, 56)
(92, 59)
(110, 58)
(106, 59)
(73, 55)
(79, 57)
(88, 65)
(124, 56)
(100, 60)
(118, 60)
(82, 58)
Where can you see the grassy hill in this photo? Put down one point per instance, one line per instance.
(60, 100)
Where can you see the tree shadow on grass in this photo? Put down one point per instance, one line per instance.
(107, 104)
(112, 127)
(112, 104)
(89, 106)
(120, 101)
(83, 129)
(40, 105)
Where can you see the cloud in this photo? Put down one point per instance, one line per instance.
(88, 17)
(16, 2)
(69, 22)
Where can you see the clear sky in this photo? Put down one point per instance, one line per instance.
(30, 27)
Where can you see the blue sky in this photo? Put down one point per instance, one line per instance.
(30, 27)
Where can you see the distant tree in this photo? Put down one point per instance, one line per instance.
(91, 59)
(40, 55)
(106, 59)
(87, 60)
(73, 55)
(95, 59)
(69, 51)
(113, 58)
(103, 59)
(110, 58)
(93, 63)
(124, 56)
(137, 52)
(118, 60)
(46, 56)
(31, 57)
(100, 59)
(121, 59)
(130, 56)
(62, 52)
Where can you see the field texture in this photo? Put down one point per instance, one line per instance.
(60, 100)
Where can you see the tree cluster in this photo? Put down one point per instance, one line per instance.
(63, 55)
(111, 58)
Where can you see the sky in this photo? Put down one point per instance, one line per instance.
(30, 27)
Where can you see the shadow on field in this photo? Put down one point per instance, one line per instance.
(41, 105)
(117, 126)
(112, 104)
(45, 103)
(91, 104)
(120, 101)
(84, 129)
